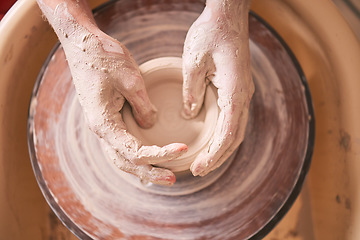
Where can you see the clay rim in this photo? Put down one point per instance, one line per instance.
(261, 232)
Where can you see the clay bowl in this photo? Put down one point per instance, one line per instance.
(163, 81)
(243, 199)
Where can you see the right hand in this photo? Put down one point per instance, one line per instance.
(217, 50)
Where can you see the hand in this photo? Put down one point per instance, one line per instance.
(104, 78)
(217, 50)
(105, 75)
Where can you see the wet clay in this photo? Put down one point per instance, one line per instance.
(216, 51)
(163, 81)
(94, 199)
(105, 75)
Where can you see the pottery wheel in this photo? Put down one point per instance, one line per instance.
(94, 199)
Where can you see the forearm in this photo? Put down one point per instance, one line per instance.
(89, 51)
(233, 12)
(66, 16)
(229, 7)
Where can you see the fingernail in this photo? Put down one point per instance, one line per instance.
(195, 169)
(183, 148)
(189, 111)
(169, 180)
(146, 118)
(193, 106)
(177, 147)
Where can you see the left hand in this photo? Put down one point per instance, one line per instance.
(105, 75)
(217, 50)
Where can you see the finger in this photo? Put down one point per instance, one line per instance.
(218, 144)
(240, 134)
(113, 130)
(143, 110)
(147, 173)
(144, 172)
(194, 84)
(132, 149)
(235, 89)
(155, 154)
(231, 103)
(240, 112)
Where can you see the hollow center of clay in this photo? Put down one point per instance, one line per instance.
(163, 81)
(165, 92)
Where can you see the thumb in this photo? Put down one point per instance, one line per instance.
(143, 110)
(194, 86)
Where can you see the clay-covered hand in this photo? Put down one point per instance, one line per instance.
(217, 50)
(105, 75)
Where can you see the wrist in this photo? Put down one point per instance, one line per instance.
(68, 18)
(229, 8)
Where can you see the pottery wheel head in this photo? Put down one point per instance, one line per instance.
(243, 199)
